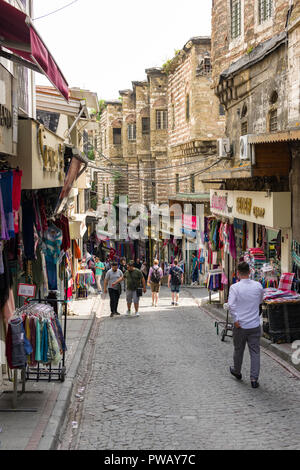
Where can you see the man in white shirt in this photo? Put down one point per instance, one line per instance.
(244, 302)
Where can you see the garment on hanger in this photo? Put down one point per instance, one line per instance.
(6, 184)
(16, 197)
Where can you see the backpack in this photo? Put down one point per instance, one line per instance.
(155, 276)
(176, 276)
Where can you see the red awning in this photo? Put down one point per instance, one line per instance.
(19, 36)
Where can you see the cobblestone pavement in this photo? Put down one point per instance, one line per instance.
(162, 381)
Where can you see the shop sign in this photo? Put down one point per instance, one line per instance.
(221, 202)
(244, 205)
(53, 158)
(26, 290)
(259, 207)
(5, 117)
(259, 212)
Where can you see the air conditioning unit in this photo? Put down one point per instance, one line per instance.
(224, 147)
(246, 149)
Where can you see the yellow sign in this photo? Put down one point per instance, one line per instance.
(244, 205)
(259, 212)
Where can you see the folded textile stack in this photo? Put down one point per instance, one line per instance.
(272, 295)
(256, 259)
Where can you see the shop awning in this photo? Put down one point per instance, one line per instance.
(18, 34)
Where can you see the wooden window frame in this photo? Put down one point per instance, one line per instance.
(161, 119)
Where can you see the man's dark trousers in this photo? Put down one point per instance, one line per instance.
(241, 337)
(114, 299)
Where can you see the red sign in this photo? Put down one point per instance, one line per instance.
(26, 290)
(190, 222)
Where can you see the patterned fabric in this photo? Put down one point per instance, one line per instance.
(286, 281)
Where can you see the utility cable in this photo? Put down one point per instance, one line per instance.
(55, 11)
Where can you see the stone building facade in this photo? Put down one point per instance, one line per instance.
(255, 63)
(196, 118)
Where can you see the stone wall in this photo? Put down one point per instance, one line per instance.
(224, 49)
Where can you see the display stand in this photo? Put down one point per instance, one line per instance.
(16, 394)
(38, 374)
(213, 272)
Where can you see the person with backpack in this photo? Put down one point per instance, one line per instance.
(154, 281)
(175, 281)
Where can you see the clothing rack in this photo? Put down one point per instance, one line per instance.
(40, 373)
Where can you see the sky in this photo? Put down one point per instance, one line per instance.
(103, 46)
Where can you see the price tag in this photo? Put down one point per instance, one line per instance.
(26, 290)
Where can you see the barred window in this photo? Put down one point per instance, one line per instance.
(236, 18)
(265, 8)
(273, 121)
(244, 128)
(132, 132)
(161, 120)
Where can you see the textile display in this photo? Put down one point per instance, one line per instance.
(34, 336)
(286, 281)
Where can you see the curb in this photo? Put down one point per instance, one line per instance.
(274, 349)
(51, 432)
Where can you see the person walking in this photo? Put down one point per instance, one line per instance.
(144, 270)
(138, 264)
(195, 270)
(114, 288)
(175, 281)
(123, 268)
(99, 270)
(135, 286)
(244, 302)
(154, 281)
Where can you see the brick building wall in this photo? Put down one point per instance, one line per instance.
(195, 122)
(225, 49)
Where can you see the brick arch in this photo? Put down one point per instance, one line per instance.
(145, 112)
(160, 103)
(131, 119)
(117, 123)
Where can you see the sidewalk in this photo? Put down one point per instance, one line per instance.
(38, 430)
(282, 351)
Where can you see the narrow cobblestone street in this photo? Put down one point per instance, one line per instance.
(162, 381)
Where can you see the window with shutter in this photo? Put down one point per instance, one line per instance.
(236, 18)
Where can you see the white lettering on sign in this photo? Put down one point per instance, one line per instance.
(26, 290)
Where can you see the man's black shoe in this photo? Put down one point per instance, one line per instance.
(254, 384)
(117, 313)
(237, 376)
(112, 315)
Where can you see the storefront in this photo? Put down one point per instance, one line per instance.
(255, 226)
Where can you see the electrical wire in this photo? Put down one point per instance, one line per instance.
(167, 180)
(55, 11)
(171, 167)
(160, 182)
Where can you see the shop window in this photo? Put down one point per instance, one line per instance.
(132, 132)
(236, 18)
(145, 126)
(117, 136)
(265, 8)
(273, 121)
(161, 119)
